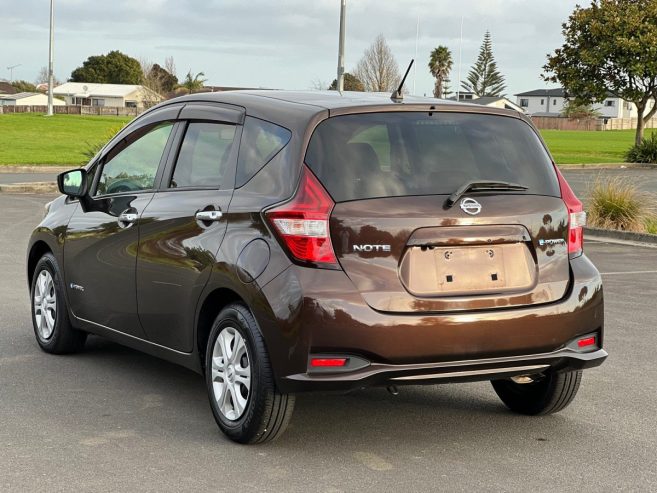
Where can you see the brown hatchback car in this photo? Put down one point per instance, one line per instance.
(279, 242)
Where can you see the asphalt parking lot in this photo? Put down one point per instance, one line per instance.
(112, 419)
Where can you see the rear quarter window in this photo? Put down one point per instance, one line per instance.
(406, 153)
(261, 141)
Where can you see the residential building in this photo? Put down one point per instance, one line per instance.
(27, 99)
(551, 102)
(109, 95)
(7, 88)
(497, 102)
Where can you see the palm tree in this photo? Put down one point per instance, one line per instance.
(193, 84)
(440, 63)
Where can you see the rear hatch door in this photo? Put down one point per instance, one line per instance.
(394, 235)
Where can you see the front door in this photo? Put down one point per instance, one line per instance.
(182, 229)
(100, 251)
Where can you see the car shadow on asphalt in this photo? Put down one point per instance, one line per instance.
(418, 415)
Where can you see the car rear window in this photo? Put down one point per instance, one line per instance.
(407, 153)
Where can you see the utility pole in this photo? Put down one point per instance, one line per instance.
(343, 8)
(417, 37)
(458, 87)
(11, 71)
(51, 77)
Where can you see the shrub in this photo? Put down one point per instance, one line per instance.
(93, 148)
(651, 225)
(616, 203)
(645, 152)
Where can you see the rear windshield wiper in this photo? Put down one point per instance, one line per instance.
(480, 186)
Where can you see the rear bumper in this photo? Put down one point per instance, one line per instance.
(377, 374)
(314, 311)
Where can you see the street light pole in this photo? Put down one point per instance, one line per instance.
(51, 78)
(340, 85)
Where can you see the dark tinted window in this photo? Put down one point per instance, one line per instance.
(396, 154)
(261, 141)
(204, 155)
(134, 167)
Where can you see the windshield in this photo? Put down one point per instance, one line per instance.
(407, 153)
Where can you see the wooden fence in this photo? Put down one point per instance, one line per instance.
(73, 110)
(596, 124)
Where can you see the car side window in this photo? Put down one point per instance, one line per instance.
(261, 141)
(205, 156)
(133, 167)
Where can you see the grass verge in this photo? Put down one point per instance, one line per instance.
(32, 138)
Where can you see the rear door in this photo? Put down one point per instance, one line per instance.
(184, 224)
(390, 175)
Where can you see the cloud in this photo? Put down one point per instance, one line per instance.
(286, 43)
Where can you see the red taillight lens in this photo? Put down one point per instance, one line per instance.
(303, 223)
(576, 216)
(327, 362)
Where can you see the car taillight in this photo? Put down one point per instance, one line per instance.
(576, 217)
(303, 223)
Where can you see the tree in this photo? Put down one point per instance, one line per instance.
(575, 109)
(447, 91)
(24, 86)
(609, 47)
(378, 69)
(42, 78)
(113, 68)
(351, 83)
(156, 78)
(440, 63)
(193, 83)
(484, 79)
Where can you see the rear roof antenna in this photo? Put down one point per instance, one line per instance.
(398, 95)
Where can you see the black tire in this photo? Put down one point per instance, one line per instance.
(64, 337)
(549, 395)
(267, 411)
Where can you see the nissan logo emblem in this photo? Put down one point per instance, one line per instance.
(470, 206)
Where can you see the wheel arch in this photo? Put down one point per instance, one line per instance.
(37, 250)
(214, 302)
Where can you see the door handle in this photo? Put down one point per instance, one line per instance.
(128, 218)
(208, 216)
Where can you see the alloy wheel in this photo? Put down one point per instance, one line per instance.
(231, 373)
(45, 304)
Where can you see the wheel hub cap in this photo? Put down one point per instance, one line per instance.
(45, 304)
(231, 373)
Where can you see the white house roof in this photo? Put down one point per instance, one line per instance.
(20, 95)
(85, 89)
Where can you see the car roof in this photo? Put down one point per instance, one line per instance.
(336, 102)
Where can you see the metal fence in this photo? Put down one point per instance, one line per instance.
(74, 110)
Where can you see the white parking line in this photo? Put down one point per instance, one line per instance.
(628, 272)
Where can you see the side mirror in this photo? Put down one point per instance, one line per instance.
(73, 183)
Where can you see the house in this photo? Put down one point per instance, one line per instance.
(551, 102)
(110, 95)
(497, 102)
(27, 99)
(7, 88)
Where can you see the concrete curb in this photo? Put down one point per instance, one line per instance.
(36, 169)
(621, 236)
(608, 166)
(33, 187)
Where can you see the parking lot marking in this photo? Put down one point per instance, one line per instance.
(627, 272)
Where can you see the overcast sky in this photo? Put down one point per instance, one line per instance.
(281, 43)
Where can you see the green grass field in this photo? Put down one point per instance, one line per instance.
(30, 138)
(575, 147)
(62, 139)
